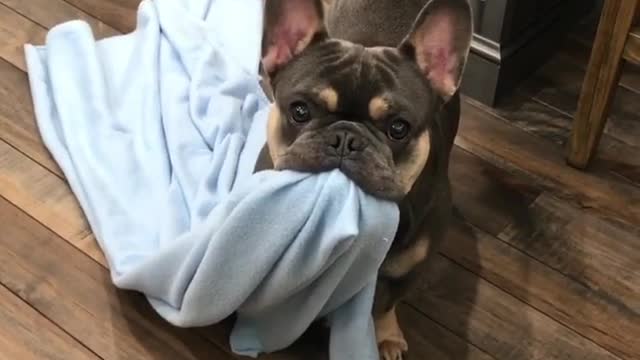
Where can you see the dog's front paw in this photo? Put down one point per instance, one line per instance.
(393, 349)
(391, 342)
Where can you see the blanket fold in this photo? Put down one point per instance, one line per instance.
(157, 132)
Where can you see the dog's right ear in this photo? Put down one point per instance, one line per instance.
(290, 26)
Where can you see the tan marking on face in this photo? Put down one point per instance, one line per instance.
(378, 108)
(388, 329)
(329, 96)
(399, 265)
(410, 170)
(275, 142)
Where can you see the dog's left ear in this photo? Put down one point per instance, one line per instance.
(290, 26)
(439, 42)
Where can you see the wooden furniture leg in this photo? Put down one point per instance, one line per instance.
(603, 74)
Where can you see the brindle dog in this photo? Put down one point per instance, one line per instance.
(372, 89)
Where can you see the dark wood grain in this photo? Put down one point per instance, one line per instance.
(429, 340)
(48, 13)
(632, 49)
(559, 83)
(603, 255)
(17, 121)
(577, 53)
(494, 321)
(577, 49)
(76, 293)
(534, 117)
(27, 335)
(119, 14)
(15, 31)
(591, 311)
(539, 163)
(40, 193)
(426, 338)
(487, 196)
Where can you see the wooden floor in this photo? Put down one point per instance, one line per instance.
(543, 262)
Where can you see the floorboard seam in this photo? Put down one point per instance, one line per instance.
(64, 331)
(525, 302)
(447, 329)
(97, 17)
(6, 141)
(95, 261)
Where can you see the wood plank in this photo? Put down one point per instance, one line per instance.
(487, 196)
(577, 48)
(48, 13)
(25, 334)
(536, 161)
(595, 312)
(17, 122)
(89, 246)
(428, 340)
(479, 189)
(520, 181)
(41, 194)
(49, 200)
(494, 321)
(534, 117)
(558, 84)
(76, 293)
(15, 31)
(632, 49)
(119, 14)
(601, 254)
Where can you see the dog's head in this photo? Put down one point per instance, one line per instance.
(366, 111)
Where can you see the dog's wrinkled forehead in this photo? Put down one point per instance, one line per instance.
(352, 79)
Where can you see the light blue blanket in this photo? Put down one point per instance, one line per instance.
(157, 132)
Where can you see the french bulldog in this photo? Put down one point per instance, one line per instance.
(371, 87)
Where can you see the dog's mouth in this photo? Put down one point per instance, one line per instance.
(368, 164)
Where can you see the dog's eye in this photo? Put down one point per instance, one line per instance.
(399, 129)
(300, 112)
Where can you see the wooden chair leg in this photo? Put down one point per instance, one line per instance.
(601, 80)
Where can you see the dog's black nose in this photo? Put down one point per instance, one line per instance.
(346, 143)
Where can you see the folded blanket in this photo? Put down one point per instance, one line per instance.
(158, 132)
